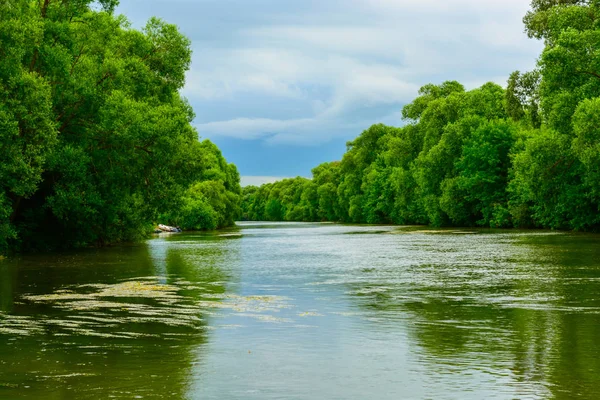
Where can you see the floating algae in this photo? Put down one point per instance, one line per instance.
(117, 310)
(126, 309)
(310, 314)
(266, 318)
(243, 304)
(139, 288)
(19, 325)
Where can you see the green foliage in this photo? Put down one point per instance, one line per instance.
(480, 189)
(586, 146)
(96, 140)
(537, 19)
(522, 98)
(287, 200)
(547, 186)
(570, 62)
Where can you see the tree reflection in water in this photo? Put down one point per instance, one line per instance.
(112, 323)
(525, 304)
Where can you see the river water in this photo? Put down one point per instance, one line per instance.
(307, 311)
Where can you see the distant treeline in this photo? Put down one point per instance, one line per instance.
(96, 143)
(524, 156)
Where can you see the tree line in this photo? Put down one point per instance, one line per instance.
(96, 141)
(524, 156)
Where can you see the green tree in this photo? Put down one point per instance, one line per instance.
(97, 138)
(547, 189)
(522, 98)
(479, 191)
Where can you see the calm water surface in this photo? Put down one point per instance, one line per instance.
(307, 311)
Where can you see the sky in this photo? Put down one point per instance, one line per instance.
(281, 85)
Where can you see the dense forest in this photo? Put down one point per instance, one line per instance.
(96, 142)
(524, 156)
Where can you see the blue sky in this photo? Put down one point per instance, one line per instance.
(281, 85)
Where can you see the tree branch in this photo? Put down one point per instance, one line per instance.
(106, 75)
(76, 61)
(589, 73)
(143, 149)
(45, 8)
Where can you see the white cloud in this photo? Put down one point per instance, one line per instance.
(305, 131)
(317, 73)
(355, 85)
(236, 76)
(251, 128)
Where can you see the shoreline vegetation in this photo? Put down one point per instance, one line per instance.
(96, 141)
(527, 156)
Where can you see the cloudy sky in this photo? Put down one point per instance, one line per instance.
(282, 85)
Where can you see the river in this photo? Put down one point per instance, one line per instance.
(307, 311)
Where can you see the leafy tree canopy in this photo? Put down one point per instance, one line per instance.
(95, 138)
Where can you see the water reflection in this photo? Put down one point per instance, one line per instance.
(114, 323)
(525, 307)
(8, 279)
